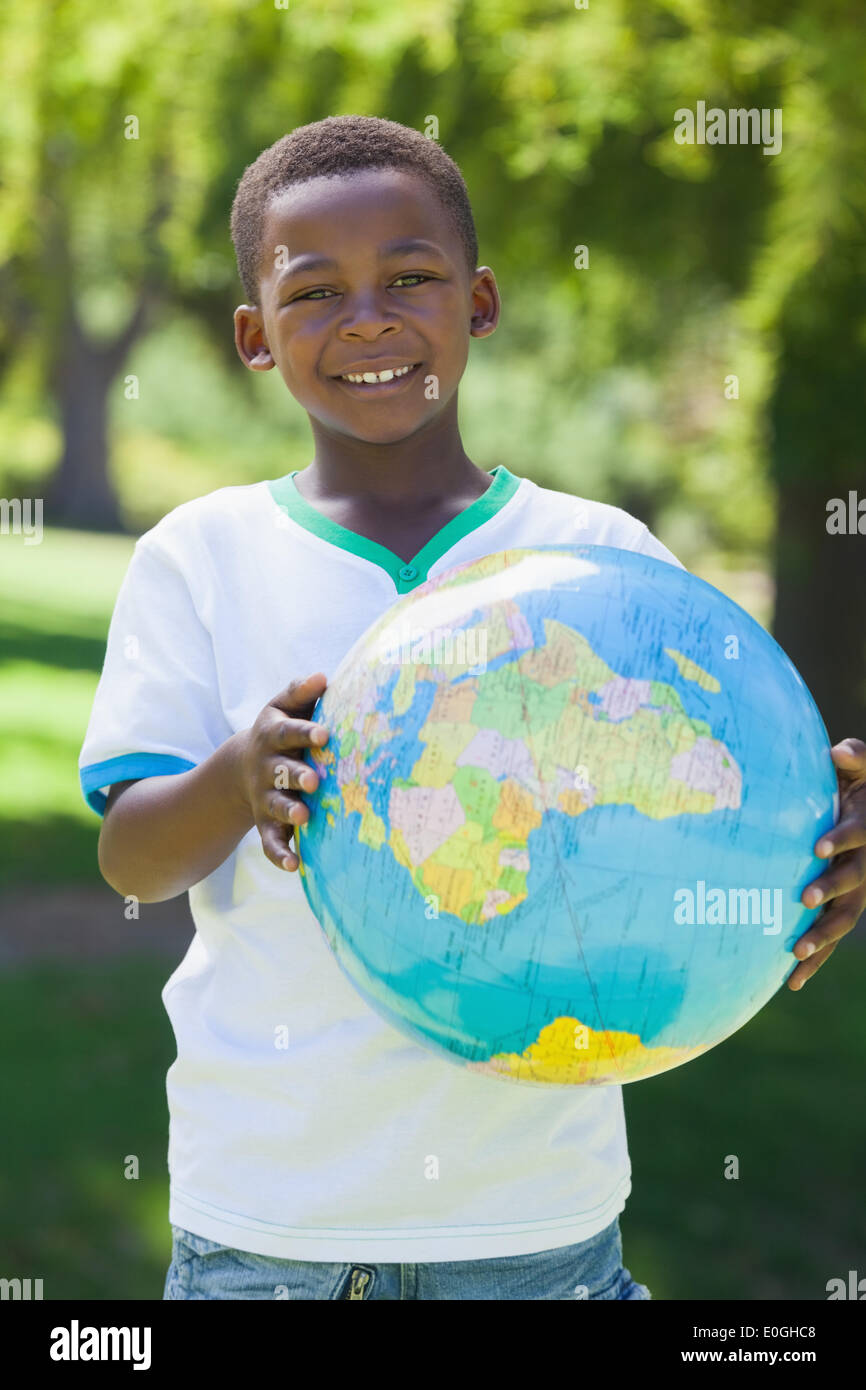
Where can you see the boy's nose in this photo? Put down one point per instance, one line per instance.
(369, 314)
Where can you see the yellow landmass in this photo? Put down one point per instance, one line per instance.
(609, 1058)
(691, 671)
(516, 812)
(324, 759)
(452, 886)
(400, 849)
(372, 830)
(404, 690)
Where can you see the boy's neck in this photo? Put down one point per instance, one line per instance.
(410, 475)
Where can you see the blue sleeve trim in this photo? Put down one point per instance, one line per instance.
(123, 769)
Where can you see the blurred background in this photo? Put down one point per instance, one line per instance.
(703, 368)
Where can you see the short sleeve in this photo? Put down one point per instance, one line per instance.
(647, 544)
(156, 709)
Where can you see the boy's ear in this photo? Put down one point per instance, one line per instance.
(250, 339)
(485, 303)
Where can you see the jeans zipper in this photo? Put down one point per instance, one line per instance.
(360, 1280)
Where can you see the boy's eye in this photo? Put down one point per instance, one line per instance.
(410, 275)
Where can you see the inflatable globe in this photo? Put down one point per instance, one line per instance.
(566, 812)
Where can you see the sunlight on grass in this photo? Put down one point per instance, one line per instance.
(70, 572)
(43, 717)
(56, 601)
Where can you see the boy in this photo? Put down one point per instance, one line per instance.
(303, 1171)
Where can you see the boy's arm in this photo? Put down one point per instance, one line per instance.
(160, 835)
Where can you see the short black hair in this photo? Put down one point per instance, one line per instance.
(342, 145)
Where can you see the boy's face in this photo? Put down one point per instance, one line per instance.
(376, 304)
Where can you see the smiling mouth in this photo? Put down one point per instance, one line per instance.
(378, 383)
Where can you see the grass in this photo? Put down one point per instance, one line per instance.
(86, 1050)
(783, 1096)
(57, 600)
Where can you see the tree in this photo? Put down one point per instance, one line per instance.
(778, 239)
(708, 259)
(106, 154)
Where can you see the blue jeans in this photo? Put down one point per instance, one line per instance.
(203, 1269)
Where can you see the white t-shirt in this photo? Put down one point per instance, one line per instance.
(323, 1149)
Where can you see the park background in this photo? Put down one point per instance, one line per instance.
(611, 381)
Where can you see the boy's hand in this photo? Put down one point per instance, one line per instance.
(846, 880)
(268, 767)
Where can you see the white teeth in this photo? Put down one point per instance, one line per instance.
(373, 377)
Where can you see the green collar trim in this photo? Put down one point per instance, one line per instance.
(406, 575)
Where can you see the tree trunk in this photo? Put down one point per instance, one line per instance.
(81, 492)
(818, 454)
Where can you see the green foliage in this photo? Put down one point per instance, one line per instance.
(562, 121)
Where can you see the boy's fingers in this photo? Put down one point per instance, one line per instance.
(275, 843)
(852, 750)
(300, 696)
(806, 969)
(287, 809)
(849, 833)
(298, 733)
(847, 873)
(284, 809)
